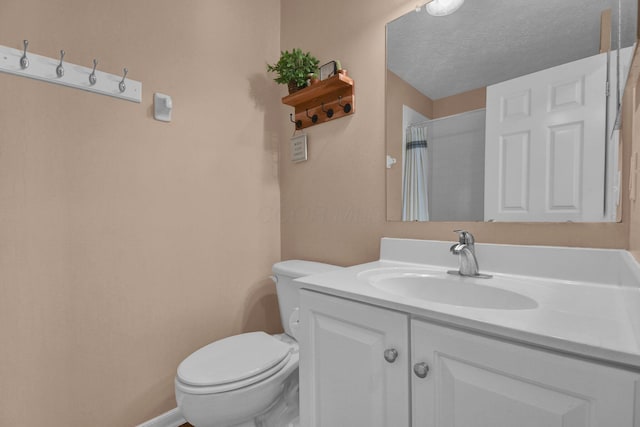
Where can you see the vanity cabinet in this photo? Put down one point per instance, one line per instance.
(444, 377)
(484, 382)
(354, 360)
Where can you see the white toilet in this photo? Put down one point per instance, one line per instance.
(249, 379)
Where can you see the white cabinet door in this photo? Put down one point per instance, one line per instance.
(345, 380)
(474, 381)
(545, 144)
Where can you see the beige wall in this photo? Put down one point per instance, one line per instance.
(474, 99)
(333, 206)
(127, 243)
(631, 129)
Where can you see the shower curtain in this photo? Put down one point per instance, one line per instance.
(415, 206)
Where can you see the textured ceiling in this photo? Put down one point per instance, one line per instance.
(490, 41)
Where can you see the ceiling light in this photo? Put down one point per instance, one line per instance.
(443, 7)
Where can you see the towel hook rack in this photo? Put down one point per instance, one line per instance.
(313, 118)
(329, 112)
(122, 86)
(24, 61)
(298, 123)
(92, 77)
(346, 107)
(60, 68)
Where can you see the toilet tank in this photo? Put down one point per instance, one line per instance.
(289, 291)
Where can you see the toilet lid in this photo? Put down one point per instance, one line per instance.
(233, 359)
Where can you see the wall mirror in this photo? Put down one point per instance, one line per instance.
(506, 110)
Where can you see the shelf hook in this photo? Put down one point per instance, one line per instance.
(298, 123)
(92, 77)
(24, 61)
(329, 111)
(122, 86)
(313, 118)
(60, 68)
(346, 107)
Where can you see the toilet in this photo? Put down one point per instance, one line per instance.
(251, 379)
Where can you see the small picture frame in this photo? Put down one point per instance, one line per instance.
(299, 148)
(328, 70)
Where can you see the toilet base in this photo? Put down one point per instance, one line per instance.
(286, 410)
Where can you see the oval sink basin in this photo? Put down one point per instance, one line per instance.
(452, 290)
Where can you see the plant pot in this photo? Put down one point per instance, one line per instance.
(293, 87)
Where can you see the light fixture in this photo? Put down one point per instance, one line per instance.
(443, 7)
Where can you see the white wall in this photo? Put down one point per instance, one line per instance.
(456, 167)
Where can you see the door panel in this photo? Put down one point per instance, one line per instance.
(562, 110)
(481, 382)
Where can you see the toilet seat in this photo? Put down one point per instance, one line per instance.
(232, 363)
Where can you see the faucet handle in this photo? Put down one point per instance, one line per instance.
(465, 237)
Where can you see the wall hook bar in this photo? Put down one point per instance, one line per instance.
(122, 86)
(313, 118)
(92, 77)
(329, 112)
(59, 71)
(24, 61)
(346, 107)
(60, 68)
(298, 123)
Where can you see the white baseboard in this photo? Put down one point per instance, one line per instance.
(173, 418)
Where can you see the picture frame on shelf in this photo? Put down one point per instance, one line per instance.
(328, 70)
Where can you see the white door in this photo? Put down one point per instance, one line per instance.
(474, 381)
(345, 379)
(545, 144)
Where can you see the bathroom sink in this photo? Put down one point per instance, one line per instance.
(440, 287)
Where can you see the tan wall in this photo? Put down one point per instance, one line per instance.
(127, 243)
(631, 130)
(400, 93)
(333, 206)
(474, 99)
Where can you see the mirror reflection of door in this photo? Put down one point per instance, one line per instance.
(445, 69)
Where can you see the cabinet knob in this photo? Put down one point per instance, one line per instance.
(421, 369)
(390, 355)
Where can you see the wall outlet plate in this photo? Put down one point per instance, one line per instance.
(299, 148)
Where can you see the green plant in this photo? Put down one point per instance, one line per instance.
(294, 66)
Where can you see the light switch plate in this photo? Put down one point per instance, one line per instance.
(299, 148)
(162, 107)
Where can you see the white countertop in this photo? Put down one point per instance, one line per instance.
(593, 320)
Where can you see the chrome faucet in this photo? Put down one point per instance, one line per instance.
(465, 249)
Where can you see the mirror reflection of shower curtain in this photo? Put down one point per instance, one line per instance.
(415, 205)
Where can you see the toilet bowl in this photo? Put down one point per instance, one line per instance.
(249, 379)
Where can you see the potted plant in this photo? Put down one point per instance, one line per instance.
(293, 68)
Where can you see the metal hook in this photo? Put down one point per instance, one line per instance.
(60, 68)
(92, 77)
(313, 118)
(24, 61)
(122, 86)
(329, 111)
(298, 123)
(346, 107)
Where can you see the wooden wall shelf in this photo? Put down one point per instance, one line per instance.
(336, 93)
